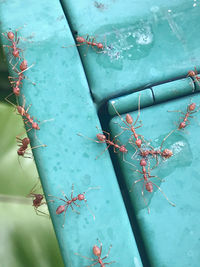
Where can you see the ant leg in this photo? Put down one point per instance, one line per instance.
(109, 262)
(92, 188)
(64, 195)
(157, 162)
(72, 192)
(99, 142)
(171, 203)
(37, 147)
(138, 111)
(57, 198)
(76, 204)
(100, 246)
(102, 152)
(34, 187)
(89, 209)
(129, 163)
(138, 126)
(29, 79)
(86, 257)
(6, 37)
(42, 213)
(64, 215)
(28, 108)
(130, 190)
(92, 264)
(112, 103)
(166, 138)
(153, 176)
(107, 253)
(145, 199)
(6, 98)
(74, 209)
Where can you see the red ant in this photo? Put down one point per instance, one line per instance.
(24, 113)
(97, 252)
(190, 110)
(69, 202)
(194, 74)
(103, 139)
(129, 123)
(89, 41)
(165, 154)
(16, 82)
(148, 184)
(23, 146)
(37, 200)
(11, 37)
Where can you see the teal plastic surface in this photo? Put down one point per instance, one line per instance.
(62, 103)
(130, 102)
(171, 234)
(171, 90)
(151, 41)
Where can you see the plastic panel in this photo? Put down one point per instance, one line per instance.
(61, 100)
(171, 234)
(152, 42)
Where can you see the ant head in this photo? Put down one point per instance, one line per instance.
(16, 91)
(129, 119)
(100, 46)
(60, 209)
(143, 162)
(10, 35)
(167, 153)
(21, 110)
(15, 53)
(39, 196)
(192, 107)
(81, 197)
(149, 187)
(138, 142)
(123, 149)
(26, 141)
(101, 137)
(24, 65)
(182, 125)
(35, 126)
(191, 73)
(96, 251)
(80, 39)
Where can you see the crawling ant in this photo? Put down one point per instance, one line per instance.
(194, 74)
(97, 252)
(103, 139)
(37, 200)
(190, 110)
(23, 146)
(14, 50)
(16, 82)
(90, 41)
(165, 154)
(149, 184)
(24, 113)
(129, 123)
(70, 202)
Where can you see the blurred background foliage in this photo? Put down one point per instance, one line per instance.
(26, 239)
